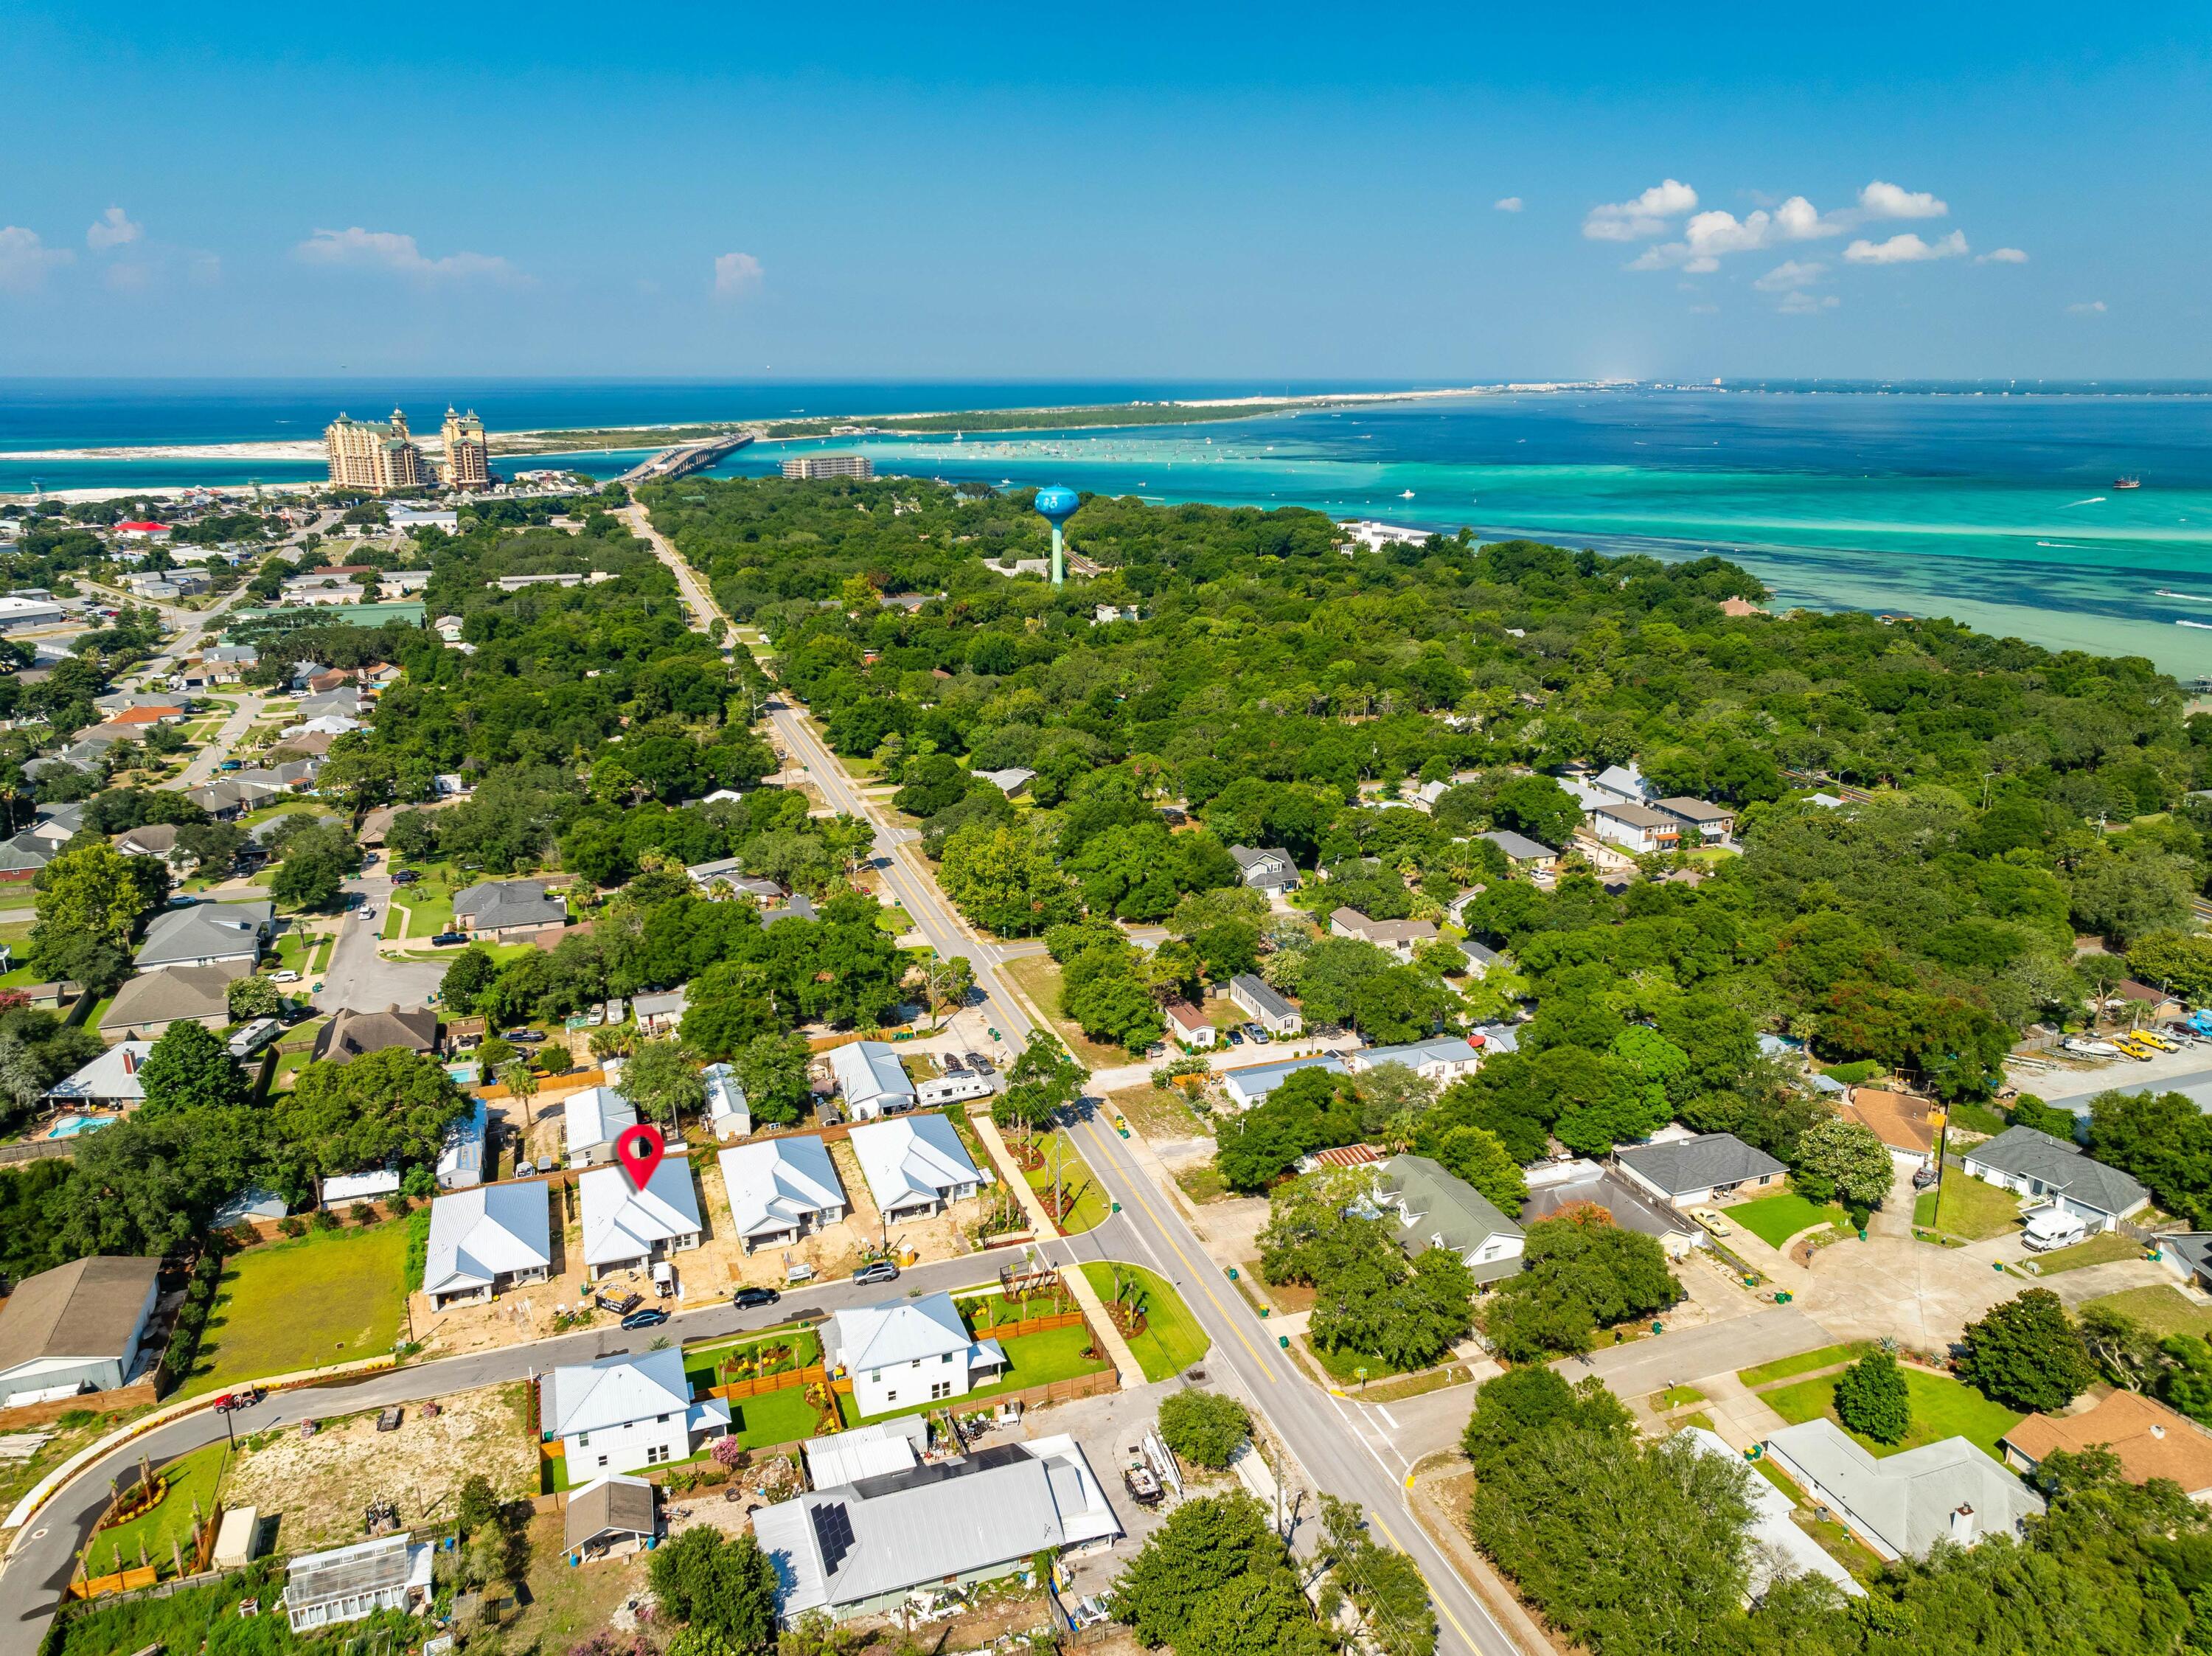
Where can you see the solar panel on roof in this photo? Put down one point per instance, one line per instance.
(833, 1533)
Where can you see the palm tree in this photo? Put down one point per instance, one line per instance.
(615, 1040)
(521, 1081)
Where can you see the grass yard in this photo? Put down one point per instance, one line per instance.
(332, 1296)
(1087, 1201)
(1966, 1207)
(1775, 1219)
(2097, 1250)
(1344, 1366)
(1031, 1360)
(2161, 1309)
(1941, 1408)
(1172, 1340)
(1038, 978)
(774, 1417)
(1159, 1113)
(1804, 1362)
(1675, 1397)
(1201, 1181)
(703, 1364)
(428, 906)
(192, 1476)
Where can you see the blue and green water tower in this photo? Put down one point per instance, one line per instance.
(1056, 505)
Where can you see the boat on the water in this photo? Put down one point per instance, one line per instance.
(2193, 597)
(2201, 626)
(2129, 482)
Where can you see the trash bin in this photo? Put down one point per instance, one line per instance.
(1782, 1296)
(1232, 1273)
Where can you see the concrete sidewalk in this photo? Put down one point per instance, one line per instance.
(1125, 1360)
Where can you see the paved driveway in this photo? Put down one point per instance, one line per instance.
(362, 980)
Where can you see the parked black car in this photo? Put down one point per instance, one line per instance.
(980, 1065)
(749, 1299)
(447, 939)
(652, 1316)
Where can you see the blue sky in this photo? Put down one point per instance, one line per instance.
(1137, 191)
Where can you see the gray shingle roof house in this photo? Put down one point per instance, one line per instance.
(1266, 867)
(1689, 1171)
(1256, 996)
(499, 906)
(206, 933)
(1433, 1208)
(1902, 1504)
(1557, 1187)
(149, 1004)
(2033, 1163)
(1520, 849)
(350, 1034)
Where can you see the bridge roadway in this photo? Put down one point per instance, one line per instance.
(1335, 1445)
(685, 458)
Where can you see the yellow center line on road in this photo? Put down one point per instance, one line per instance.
(1442, 1609)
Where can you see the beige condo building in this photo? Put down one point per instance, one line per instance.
(468, 459)
(376, 458)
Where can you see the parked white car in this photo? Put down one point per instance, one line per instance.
(2050, 1227)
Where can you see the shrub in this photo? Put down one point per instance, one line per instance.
(1204, 1428)
(292, 1225)
(1871, 1398)
(324, 1220)
(362, 1213)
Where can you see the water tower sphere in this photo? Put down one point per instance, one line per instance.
(1057, 504)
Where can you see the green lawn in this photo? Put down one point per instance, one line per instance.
(1172, 1340)
(1031, 1360)
(430, 908)
(1674, 1397)
(773, 1417)
(1087, 1203)
(2161, 1309)
(703, 1363)
(1039, 978)
(2097, 1250)
(191, 1477)
(332, 1296)
(1804, 1362)
(1775, 1219)
(1344, 1366)
(1966, 1207)
(1941, 1408)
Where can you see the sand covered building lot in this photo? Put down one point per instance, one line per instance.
(316, 1488)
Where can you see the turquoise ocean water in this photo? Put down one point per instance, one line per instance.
(1997, 510)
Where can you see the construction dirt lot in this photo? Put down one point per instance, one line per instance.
(316, 1487)
(714, 1268)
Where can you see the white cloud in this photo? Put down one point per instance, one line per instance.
(2002, 256)
(1889, 201)
(1507, 203)
(1647, 214)
(25, 259)
(1791, 273)
(736, 275)
(1905, 248)
(111, 229)
(2088, 307)
(1799, 304)
(1710, 235)
(387, 250)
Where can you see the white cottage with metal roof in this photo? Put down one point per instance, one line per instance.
(782, 1189)
(623, 1413)
(627, 1228)
(915, 1165)
(909, 1351)
(872, 1080)
(487, 1238)
(592, 1120)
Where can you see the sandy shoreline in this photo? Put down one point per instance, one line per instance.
(551, 441)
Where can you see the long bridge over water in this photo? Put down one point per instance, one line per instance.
(685, 458)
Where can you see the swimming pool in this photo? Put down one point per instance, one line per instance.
(70, 1125)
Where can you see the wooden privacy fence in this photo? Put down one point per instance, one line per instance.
(737, 1391)
(38, 1413)
(130, 1581)
(37, 1150)
(1031, 1326)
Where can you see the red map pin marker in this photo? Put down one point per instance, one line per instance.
(640, 1147)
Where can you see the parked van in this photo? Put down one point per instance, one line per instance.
(2050, 1228)
(950, 1089)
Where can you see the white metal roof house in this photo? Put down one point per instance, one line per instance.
(109, 1081)
(348, 1584)
(1780, 1546)
(729, 1113)
(909, 1351)
(487, 1239)
(590, 1122)
(369, 1184)
(782, 1189)
(1443, 1059)
(1688, 1172)
(1902, 1504)
(1248, 1086)
(461, 1160)
(889, 1446)
(862, 1547)
(659, 1013)
(872, 1079)
(915, 1165)
(627, 1229)
(625, 1412)
(2032, 1163)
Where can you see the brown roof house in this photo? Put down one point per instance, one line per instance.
(350, 1034)
(76, 1328)
(152, 1001)
(1905, 1124)
(2150, 1439)
(1399, 937)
